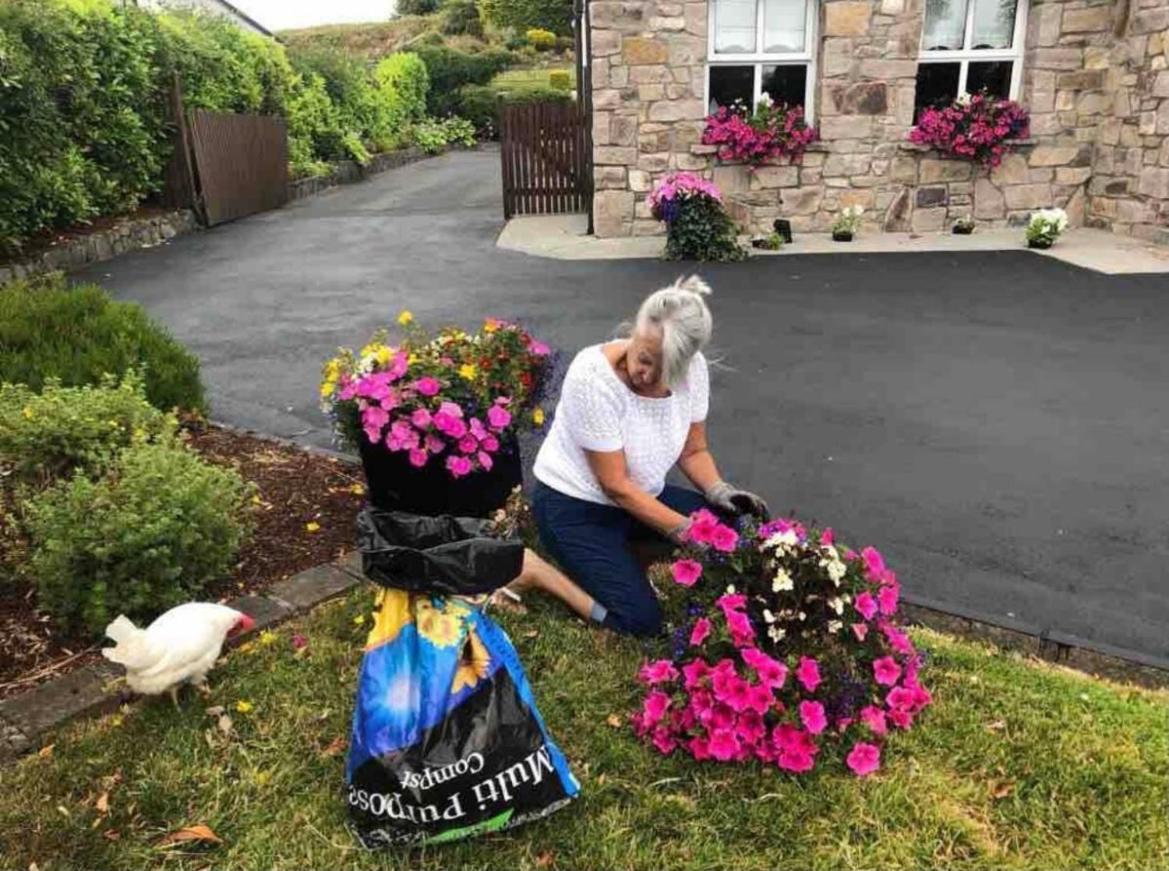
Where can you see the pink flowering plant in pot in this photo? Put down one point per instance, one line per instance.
(784, 645)
(697, 225)
(450, 398)
(975, 127)
(772, 132)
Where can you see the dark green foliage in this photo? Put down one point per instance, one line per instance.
(149, 534)
(482, 105)
(450, 69)
(461, 17)
(703, 231)
(77, 335)
(523, 15)
(416, 7)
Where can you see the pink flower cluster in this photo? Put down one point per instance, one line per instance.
(410, 416)
(735, 694)
(772, 133)
(667, 195)
(976, 128)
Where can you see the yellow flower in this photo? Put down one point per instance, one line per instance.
(357, 489)
(468, 371)
(243, 706)
(333, 370)
(313, 526)
(383, 355)
(267, 638)
(405, 317)
(327, 388)
(473, 665)
(370, 349)
(441, 627)
(538, 417)
(28, 413)
(490, 325)
(359, 620)
(412, 359)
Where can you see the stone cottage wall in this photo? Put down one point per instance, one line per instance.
(1092, 80)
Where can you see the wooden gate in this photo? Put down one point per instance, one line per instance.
(225, 165)
(546, 154)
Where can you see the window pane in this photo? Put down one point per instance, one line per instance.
(945, 24)
(995, 76)
(783, 24)
(728, 84)
(937, 86)
(994, 23)
(734, 26)
(786, 84)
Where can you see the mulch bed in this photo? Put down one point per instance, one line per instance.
(297, 490)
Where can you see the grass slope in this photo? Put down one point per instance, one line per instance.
(1017, 765)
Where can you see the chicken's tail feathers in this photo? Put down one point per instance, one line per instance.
(131, 649)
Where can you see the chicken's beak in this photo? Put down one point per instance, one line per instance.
(244, 625)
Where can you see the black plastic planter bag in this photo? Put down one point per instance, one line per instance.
(446, 742)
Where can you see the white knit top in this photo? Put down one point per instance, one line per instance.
(599, 412)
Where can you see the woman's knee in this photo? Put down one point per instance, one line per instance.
(642, 618)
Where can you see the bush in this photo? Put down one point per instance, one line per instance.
(523, 15)
(148, 535)
(541, 40)
(450, 69)
(52, 434)
(697, 225)
(560, 80)
(461, 17)
(482, 105)
(77, 335)
(433, 136)
(402, 83)
(415, 7)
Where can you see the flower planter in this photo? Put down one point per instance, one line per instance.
(395, 485)
(838, 236)
(784, 228)
(1041, 244)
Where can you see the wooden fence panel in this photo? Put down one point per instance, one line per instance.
(545, 160)
(241, 162)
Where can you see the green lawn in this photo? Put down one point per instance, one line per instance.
(526, 79)
(1017, 765)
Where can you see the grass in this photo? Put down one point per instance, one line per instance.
(373, 39)
(530, 77)
(1017, 765)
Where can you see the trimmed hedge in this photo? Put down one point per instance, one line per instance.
(78, 335)
(451, 69)
(482, 105)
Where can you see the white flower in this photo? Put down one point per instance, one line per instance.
(836, 605)
(776, 634)
(836, 571)
(782, 538)
(730, 589)
(782, 581)
(832, 552)
(803, 616)
(768, 616)
(963, 99)
(835, 626)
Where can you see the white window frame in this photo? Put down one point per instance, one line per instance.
(963, 56)
(759, 59)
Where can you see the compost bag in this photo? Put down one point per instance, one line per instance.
(447, 741)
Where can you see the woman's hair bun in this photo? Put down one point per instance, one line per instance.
(694, 284)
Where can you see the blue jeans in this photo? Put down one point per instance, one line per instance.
(591, 544)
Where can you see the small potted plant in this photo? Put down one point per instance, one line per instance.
(783, 227)
(1045, 227)
(771, 242)
(847, 223)
(964, 226)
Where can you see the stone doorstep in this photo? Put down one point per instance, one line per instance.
(97, 688)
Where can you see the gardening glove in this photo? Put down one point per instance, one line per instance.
(732, 500)
(678, 533)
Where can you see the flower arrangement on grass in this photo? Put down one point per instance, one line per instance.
(697, 225)
(771, 132)
(976, 127)
(449, 397)
(784, 642)
(1045, 226)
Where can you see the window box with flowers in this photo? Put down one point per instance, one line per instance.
(435, 418)
(977, 127)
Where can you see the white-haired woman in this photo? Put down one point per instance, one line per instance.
(629, 411)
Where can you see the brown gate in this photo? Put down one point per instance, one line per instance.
(241, 163)
(547, 165)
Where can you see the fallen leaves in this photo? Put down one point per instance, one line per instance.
(1002, 789)
(102, 805)
(46, 752)
(312, 526)
(615, 720)
(187, 834)
(336, 746)
(546, 859)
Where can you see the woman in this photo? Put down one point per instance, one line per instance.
(629, 411)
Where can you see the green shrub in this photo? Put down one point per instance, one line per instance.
(540, 39)
(402, 83)
(461, 17)
(702, 230)
(560, 80)
(482, 105)
(51, 434)
(415, 7)
(523, 15)
(77, 335)
(148, 535)
(450, 69)
(314, 129)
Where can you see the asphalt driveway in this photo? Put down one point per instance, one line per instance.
(998, 424)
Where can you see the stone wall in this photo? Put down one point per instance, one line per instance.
(1095, 100)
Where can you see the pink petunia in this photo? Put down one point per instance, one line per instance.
(694, 672)
(897, 639)
(730, 601)
(654, 707)
(498, 417)
(866, 605)
(453, 409)
(759, 698)
(490, 444)
(813, 717)
(808, 673)
(901, 719)
(477, 429)
(434, 444)
(860, 630)
(901, 699)
(874, 718)
(827, 537)
(864, 758)
(458, 466)
(721, 717)
(374, 417)
(485, 460)
(664, 741)
(703, 528)
(418, 457)
(468, 445)
(771, 672)
(686, 572)
(732, 692)
(887, 599)
(723, 745)
(739, 625)
(750, 728)
(700, 631)
(428, 386)
(886, 671)
(539, 348)
(699, 748)
(421, 418)
(724, 539)
(659, 671)
(874, 562)
(796, 760)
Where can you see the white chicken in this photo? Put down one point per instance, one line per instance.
(179, 647)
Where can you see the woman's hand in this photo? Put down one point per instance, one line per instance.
(732, 500)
